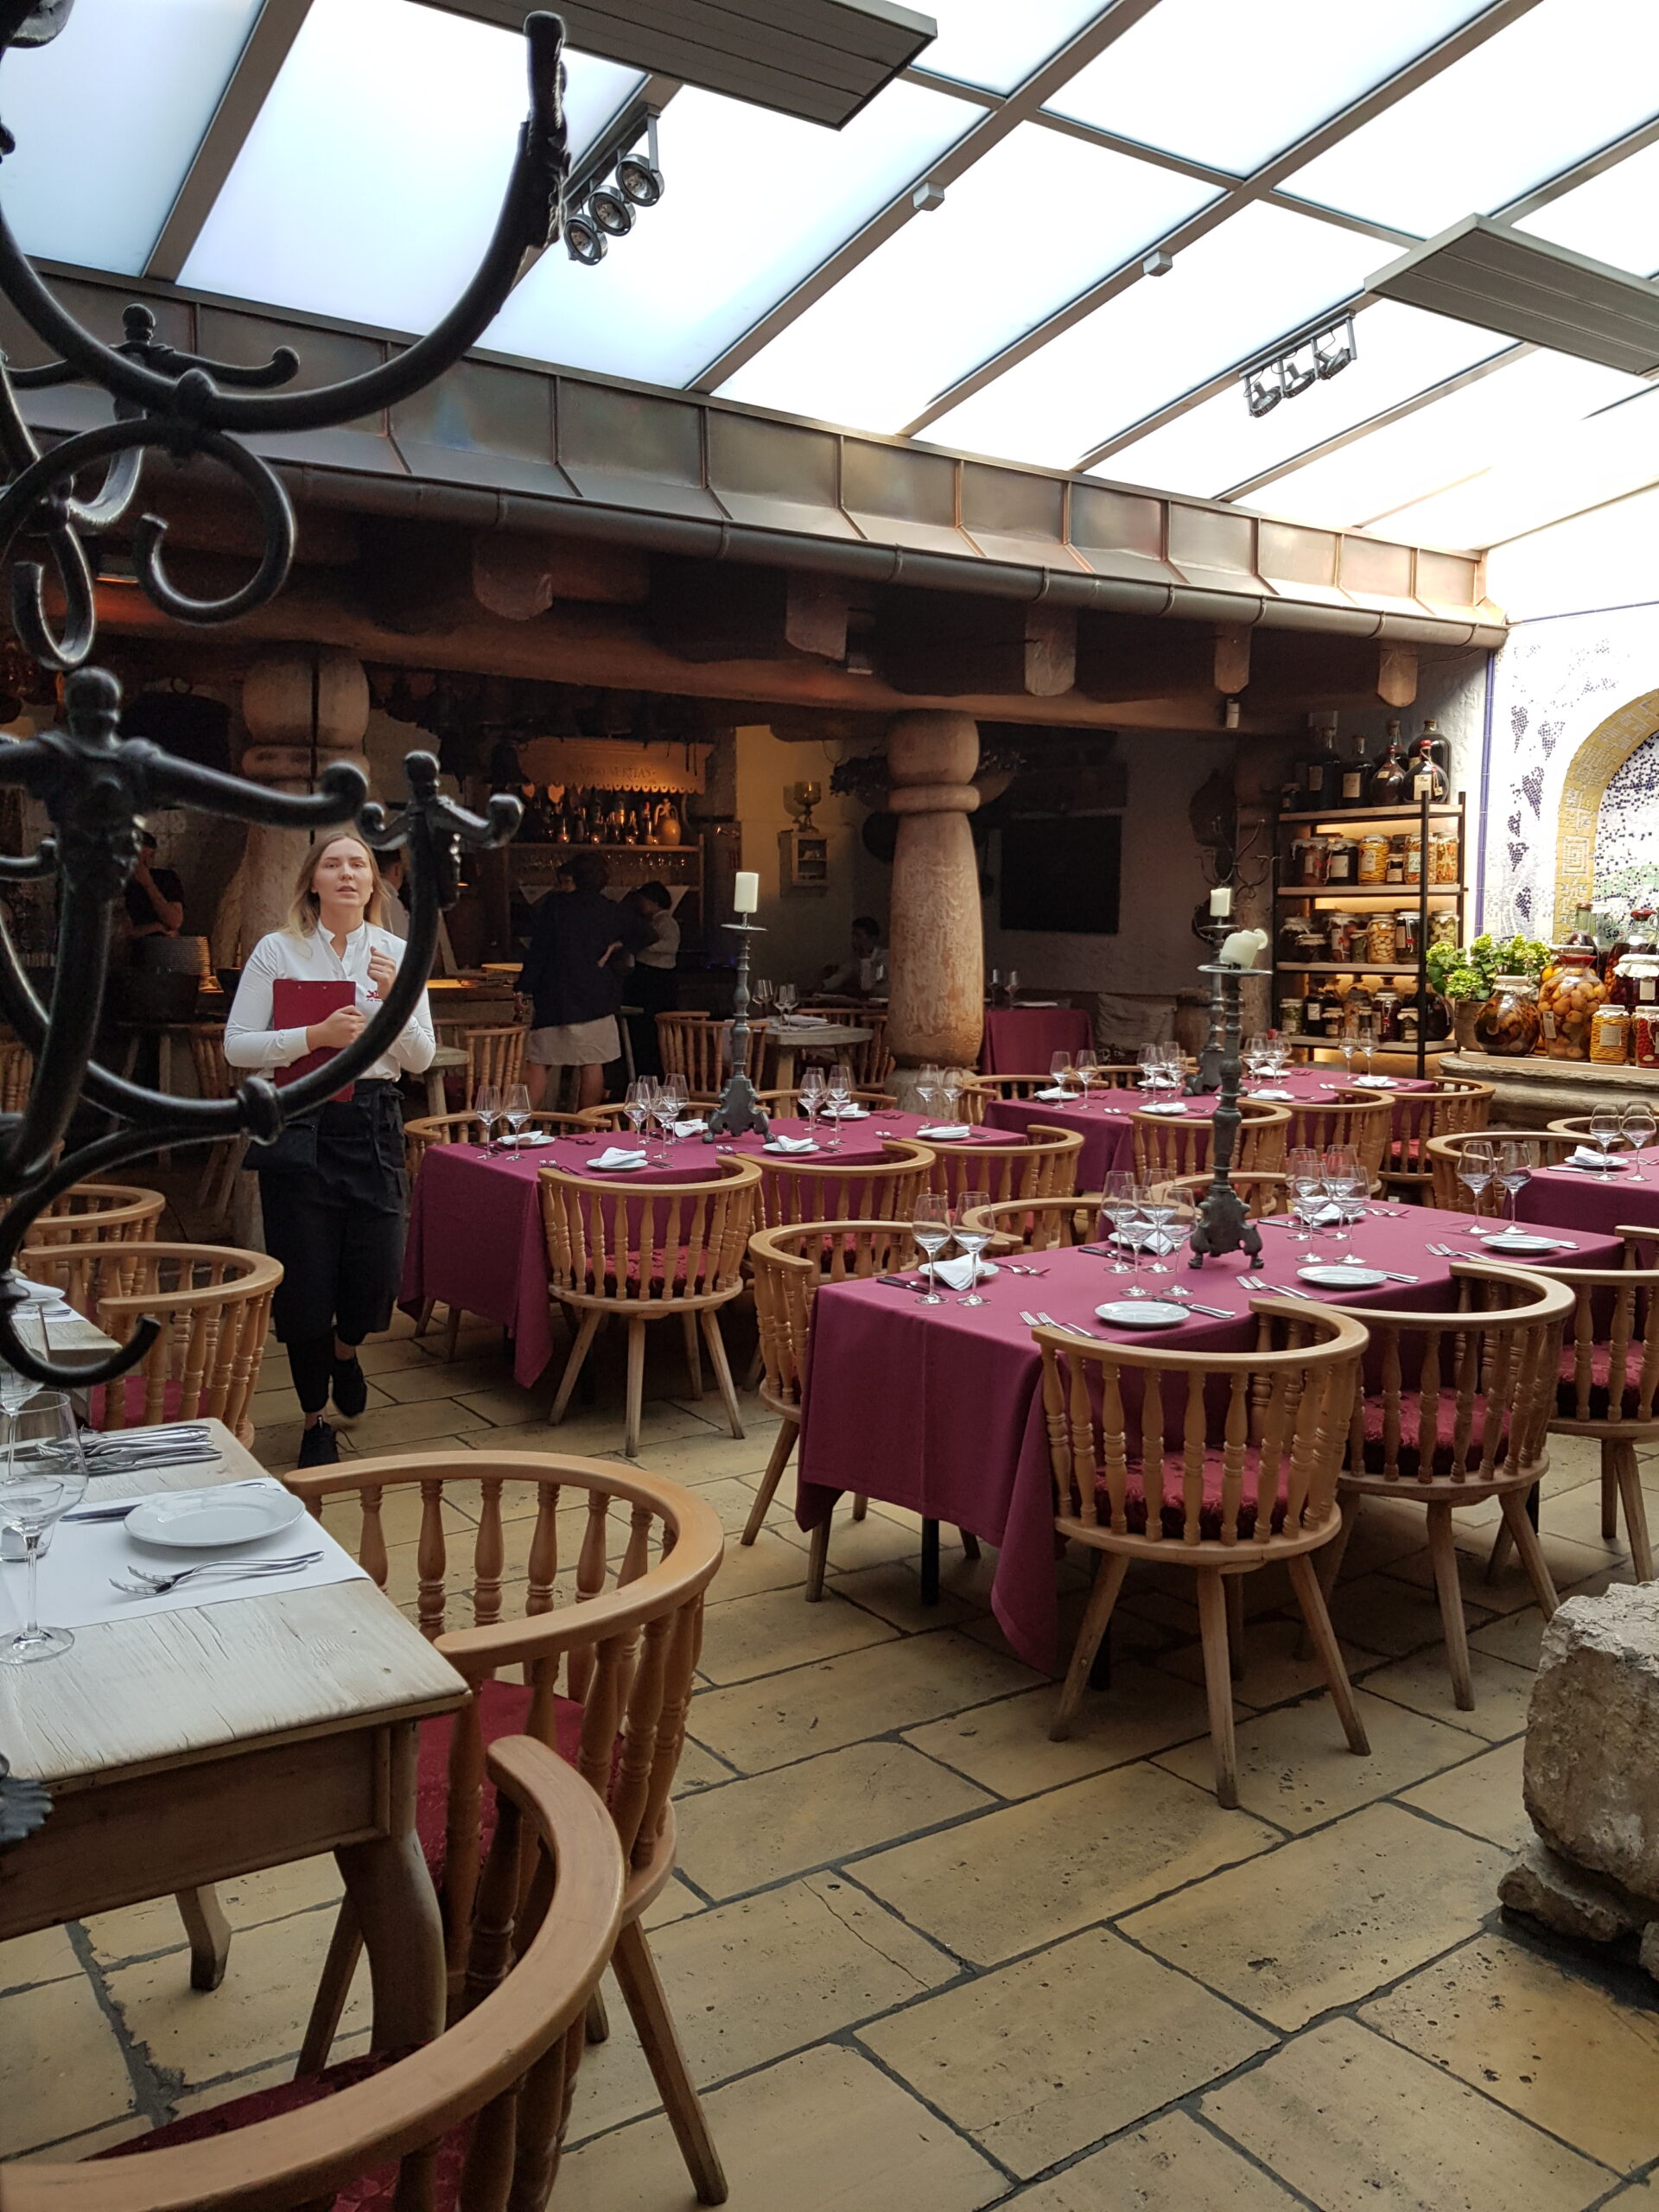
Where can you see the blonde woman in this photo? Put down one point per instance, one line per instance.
(331, 1185)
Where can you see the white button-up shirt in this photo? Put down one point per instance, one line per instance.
(250, 1040)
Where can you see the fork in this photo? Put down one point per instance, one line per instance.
(1284, 1290)
(138, 1582)
(1070, 1328)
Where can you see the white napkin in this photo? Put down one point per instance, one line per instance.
(954, 1274)
(947, 1132)
(1273, 1094)
(1058, 1096)
(1166, 1106)
(850, 1112)
(522, 1143)
(1584, 1157)
(789, 1144)
(75, 1574)
(615, 1156)
(1379, 1081)
(692, 1128)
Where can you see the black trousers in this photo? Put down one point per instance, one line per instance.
(654, 991)
(332, 1192)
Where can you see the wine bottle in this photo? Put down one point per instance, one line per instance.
(1428, 777)
(1355, 777)
(1319, 771)
(1389, 778)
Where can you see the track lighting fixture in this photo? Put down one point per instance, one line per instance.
(614, 184)
(1310, 360)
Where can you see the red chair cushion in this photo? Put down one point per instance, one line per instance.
(134, 1388)
(1407, 1459)
(1601, 1362)
(1172, 1520)
(374, 2191)
(503, 1710)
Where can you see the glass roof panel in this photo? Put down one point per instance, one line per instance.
(1261, 275)
(1446, 442)
(1614, 217)
(1231, 84)
(377, 210)
(1561, 81)
(986, 42)
(755, 201)
(153, 71)
(919, 313)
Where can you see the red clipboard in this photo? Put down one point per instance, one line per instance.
(297, 1005)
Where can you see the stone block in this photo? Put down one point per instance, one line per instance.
(1548, 1888)
(1592, 1771)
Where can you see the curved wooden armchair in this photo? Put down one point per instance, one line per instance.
(467, 1129)
(818, 1187)
(697, 1048)
(1041, 1165)
(649, 1252)
(787, 1104)
(473, 2120)
(1263, 1193)
(1039, 1224)
(606, 1646)
(1455, 1409)
(871, 1062)
(1220, 1462)
(99, 1213)
(1363, 1119)
(1446, 1192)
(216, 1078)
(1453, 1107)
(1169, 1146)
(1109, 1075)
(494, 1055)
(213, 1304)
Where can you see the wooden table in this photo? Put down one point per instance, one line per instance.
(785, 1043)
(446, 1058)
(184, 1748)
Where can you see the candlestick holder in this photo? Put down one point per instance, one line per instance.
(1206, 1077)
(739, 1110)
(1223, 1224)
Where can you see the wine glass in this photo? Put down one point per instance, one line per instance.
(760, 994)
(950, 1085)
(1476, 1164)
(487, 1105)
(1640, 1127)
(670, 1104)
(1060, 1070)
(1305, 1171)
(1516, 1161)
(1253, 1059)
(1014, 985)
(1171, 1069)
(812, 1088)
(638, 1102)
(783, 998)
(45, 1474)
(931, 1226)
(1148, 1060)
(1087, 1067)
(972, 1237)
(1345, 1184)
(1365, 1037)
(1116, 1199)
(515, 1108)
(1157, 1208)
(1606, 1127)
(838, 1088)
(1135, 1229)
(1348, 1044)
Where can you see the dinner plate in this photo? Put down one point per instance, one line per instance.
(1336, 1278)
(1596, 1166)
(1141, 1314)
(1524, 1243)
(616, 1166)
(204, 1520)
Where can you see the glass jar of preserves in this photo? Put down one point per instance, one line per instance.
(1332, 1010)
(1635, 982)
(1442, 857)
(1308, 859)
(1407, 933)
(1443, 926)
(1415, 856)
(1396, 871)
(1380, 941)
(1374, 857)
(1644, 1037)
(1610, 1035)
(1385, 1011)
(1340, 930)
(1341, 859)
(1509, 1024)
(1290, 1017)
(1568, 999)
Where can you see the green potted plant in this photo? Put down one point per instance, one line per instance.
(1464, 974)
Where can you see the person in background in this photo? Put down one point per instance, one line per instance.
(573, 980)
(856, 978)
(331, 1185)
(396, 918)
(653, 986)
(154, 896)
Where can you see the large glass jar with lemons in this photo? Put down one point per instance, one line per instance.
(1568, 996)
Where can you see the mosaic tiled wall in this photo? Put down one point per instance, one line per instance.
(1627, 835)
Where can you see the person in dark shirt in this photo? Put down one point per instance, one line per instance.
(154, 896)
(573, 978)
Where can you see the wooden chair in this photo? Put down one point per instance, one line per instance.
(1115, 1075)
(698, 1049)
(604, 1655)
(17, 1076)
(474, 2120)
(99, 1213)
(649, 1252)
(870, 1062)
(816, 1188)
(1363, 1119)
(494, 1055)
(1452, 1196)
(467, 1129)
(791, 1266)
(1608, 1386)
(216, 1078)
(1042, 1165)
(1168, 1145)
(787, 1104)
(213, 1304)
(1455, 1409)
(1451, 1108)
(1264, 1194)
(1573, 1125)
(1222, 1462)
(1039, 1224)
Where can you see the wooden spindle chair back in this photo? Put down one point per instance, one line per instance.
(1361, 1119)
(786, 1104)
(1043, 1166)
(870, 1062)
(216, 1078)
(428, 1129)
(820, 1189)
(1264, 1194)
(1113, 1075)
(213, 1304)
(99, 1213)
(494, 1055)
(791, 1264)
(1038, 1224)
(1451, 1107)
(698, 1049)
(1167, 1146)
(16, 1075)
(1451, 1196)
(484, 2105)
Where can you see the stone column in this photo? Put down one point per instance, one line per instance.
(299, 707)
(936, 967)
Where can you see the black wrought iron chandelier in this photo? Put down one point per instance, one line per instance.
(95, 785)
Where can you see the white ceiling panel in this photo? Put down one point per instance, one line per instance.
(1614, 217)
(987, 42)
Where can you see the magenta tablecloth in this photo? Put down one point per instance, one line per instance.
(938, 1409)
(1573, 1197)
(476, 1238)
(1023, 1040)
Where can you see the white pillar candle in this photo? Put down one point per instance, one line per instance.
(746, 899)
(1221, 903)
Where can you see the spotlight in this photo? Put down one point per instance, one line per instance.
(1297, 367)
(639, 181)
(608, 208)
(583, 239)
(608, 188)
(1262, 388)
(1333, 349)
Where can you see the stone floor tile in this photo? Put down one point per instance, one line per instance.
(826, 2132)
(1550, 2043)
(675, 1901)
(1387, 1529)
(27, 1960)
(1515, 1638)
(77, 2148)
(893, 1592)
(1483, 1797)
(1272, 1673)
(439, 1378)
(1329, 1917)
(259, 2078)
(1013, 1878)
(400, 1516)
(137, 1929)
(1359, 2126)
(1424, 1683)
(698, 1770)
(767, 1564)
(745, 1834)
(258, 2013)
(1640, 2196)
(1509, 1589)
(428, 1422)
(1039, 2059)
(1006, 1746)
(1175, 2166)
(1392, 1618)
(756, 1725)
(1295, 1768)
(61, 2071)
(707, 1454)
(381, 1354)
(776, 1629)
(1577, 1517)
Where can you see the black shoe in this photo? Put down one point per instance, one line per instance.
(351, 1387)
(319, 1446)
